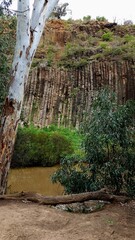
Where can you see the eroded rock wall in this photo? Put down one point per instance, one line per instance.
(63, 97)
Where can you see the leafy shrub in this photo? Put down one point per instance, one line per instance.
(35, 147)
(128, 38)
(103, 45)
(50, 55)
(71, 134)
(107, 36)
(110, 150)
(87, 18)
(98, 18)
(115, 51)
(73, 174)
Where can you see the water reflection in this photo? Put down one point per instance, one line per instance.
(34, 180)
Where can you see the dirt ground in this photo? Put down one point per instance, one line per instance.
(29, 221)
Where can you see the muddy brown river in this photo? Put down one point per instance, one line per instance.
(36, 179)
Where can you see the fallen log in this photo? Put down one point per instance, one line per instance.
(65, 199)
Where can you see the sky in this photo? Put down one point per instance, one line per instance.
(114, 11)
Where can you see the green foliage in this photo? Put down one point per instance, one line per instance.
(110, 150)
(84, 40)
(98, 18)
(43, 147)
(103, 45)
(87, 18)
(7, 42)
(81, 63)
(74, 56)
(109, 142)
(107, 36)
(113, 51)
(128, 38)
(119, 47)
(71, 134)
(50, 55)
(72, 174)
(116, 51)
(72, 49)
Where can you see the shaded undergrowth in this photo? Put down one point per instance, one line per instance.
(44, 147)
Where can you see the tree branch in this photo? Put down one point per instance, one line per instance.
(17, 11)
(41, 12)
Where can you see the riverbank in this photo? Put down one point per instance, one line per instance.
(29, 221)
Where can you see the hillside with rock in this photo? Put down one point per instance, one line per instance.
(73, 61)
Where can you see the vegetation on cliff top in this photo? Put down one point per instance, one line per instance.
(75, 43)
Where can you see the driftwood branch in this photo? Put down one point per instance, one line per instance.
(65, 199)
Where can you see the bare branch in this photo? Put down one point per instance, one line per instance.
(16, 11)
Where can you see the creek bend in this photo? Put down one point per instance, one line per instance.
(35, 179)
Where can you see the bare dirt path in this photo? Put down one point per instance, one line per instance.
(29, 221)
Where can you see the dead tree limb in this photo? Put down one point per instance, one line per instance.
(65, 199)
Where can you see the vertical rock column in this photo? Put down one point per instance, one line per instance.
(64, 96)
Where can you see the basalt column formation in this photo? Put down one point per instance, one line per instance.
(64, 96)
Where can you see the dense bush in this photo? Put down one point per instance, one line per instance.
(98, 18)
(72, 174)
(87, 18)
(107, 36)
(43, 147)
(110, 150)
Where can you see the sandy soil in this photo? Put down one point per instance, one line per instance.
(20, 221)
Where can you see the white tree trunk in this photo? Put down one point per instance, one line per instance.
(28, 35)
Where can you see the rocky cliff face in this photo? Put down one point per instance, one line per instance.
(63, 96)
(74, 60)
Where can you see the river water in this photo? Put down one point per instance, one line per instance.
(36, 179)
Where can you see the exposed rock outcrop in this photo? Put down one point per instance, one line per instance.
(73, 61)
(63, 96)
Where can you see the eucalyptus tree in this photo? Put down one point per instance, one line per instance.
(60, 10)
(30, 26)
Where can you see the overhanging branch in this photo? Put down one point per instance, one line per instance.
(17, 11)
